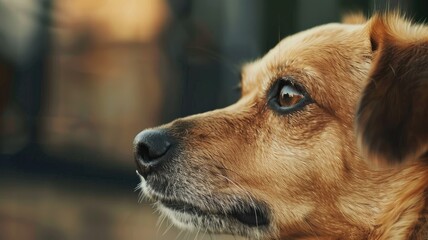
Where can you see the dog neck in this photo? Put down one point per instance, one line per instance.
(403, 204)
(390, 204)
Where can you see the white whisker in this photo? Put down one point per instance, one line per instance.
(160, 222)
(182, 230)
(169, 228)
(197, 233)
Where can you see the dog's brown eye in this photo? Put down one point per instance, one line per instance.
(289, 96)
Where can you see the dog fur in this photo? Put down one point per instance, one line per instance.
(393, 112)
(310, 170)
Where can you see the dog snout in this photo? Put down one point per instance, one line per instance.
(151, 149)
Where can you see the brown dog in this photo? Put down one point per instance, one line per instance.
(283, 162)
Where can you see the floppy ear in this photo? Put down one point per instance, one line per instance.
(392, 118)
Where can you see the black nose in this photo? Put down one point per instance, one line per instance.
(151, 147)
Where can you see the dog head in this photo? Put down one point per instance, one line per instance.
(282, 160)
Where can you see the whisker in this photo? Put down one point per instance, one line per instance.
(182, 230)
(169, 228)
(241, 188)
(160, 222)
(188, 234)
(197, 233)
(203, 236)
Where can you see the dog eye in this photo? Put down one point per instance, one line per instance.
(289, 96)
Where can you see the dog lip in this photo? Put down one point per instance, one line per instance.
(249, 216)
(182, 206)
(142, 171)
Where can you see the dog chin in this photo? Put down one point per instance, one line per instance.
(210, 223)
(244, 219)
(179, 219)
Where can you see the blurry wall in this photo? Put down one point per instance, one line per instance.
(79, 79)
(105, 75)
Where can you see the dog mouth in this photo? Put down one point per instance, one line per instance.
(250, 215)
(221, 213)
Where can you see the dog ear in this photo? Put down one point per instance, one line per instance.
(392, 117)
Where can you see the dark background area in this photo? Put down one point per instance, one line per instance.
(79, 79)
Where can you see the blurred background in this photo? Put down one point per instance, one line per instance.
(80, 78)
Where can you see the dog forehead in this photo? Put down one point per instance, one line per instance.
(327, 34)
(305, 51)
(315, 45)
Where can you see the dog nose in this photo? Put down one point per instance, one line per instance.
(151, 146)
